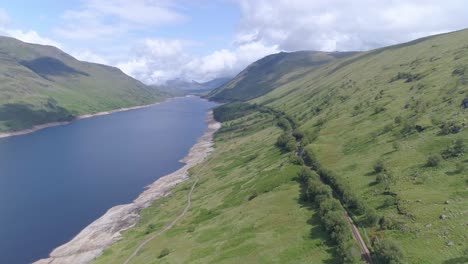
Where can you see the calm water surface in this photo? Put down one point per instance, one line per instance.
(56, 181)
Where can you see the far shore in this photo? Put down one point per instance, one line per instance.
(80, 117)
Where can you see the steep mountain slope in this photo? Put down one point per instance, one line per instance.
(272, 71)
(40, 84)
(382, 132)
(390, 125)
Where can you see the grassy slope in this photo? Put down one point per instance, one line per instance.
(353, 104)
(223, 225)
(350, 105)
(272, 71)
(41, 84)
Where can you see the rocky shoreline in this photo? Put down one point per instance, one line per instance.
(102, 233)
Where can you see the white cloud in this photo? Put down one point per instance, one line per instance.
(270, 26)
(111, 18)
(159, 60)
(89, 56)
(347, 25)
(29, 36)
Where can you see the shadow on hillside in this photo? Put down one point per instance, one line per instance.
(47, 66)
(452, 173)
(20, 116)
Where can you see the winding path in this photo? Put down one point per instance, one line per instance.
(171, 224)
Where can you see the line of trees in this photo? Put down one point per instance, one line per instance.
(331, 214)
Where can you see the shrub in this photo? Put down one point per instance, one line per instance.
(433, 160)
(407, 129)
(284, 124)
(350, 253)
(379, 166)
(286, 142)
(164, 253)
(296, 160)
(305, 175)
(456, 149)
(388, 252)
(398, 120)
(447, 128)
(388, 223)
(298, 135)
(371, 218)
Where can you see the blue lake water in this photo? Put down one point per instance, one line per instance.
(56, 181)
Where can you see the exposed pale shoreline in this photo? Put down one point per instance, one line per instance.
(102, 233)
(53, 124)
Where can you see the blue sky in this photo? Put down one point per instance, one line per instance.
(158, 40)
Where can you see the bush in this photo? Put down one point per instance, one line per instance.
(388, 223)
(286, 142)
(398, 120)
(388, 252)
(379, 166)
(433, 160)
(284, 124)
(456, 149)
(305, 175)
(350, 253)
(450, 128)
(371, 218)
(164, 253)
(296, 160)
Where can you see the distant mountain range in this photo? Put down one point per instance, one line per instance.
(41, 84)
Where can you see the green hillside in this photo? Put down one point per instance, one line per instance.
(40, 84)
(271, 72)
(383, 132)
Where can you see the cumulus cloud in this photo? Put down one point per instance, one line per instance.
(158, 60)
(270, 26)
(29, 36)
(347, 25)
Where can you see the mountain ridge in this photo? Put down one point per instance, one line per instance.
(41, 84)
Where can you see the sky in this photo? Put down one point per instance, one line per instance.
(159, 40)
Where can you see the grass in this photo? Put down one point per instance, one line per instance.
(385, 105)
(271, 72)
(34, 75)
(359, 100)
(245, 209)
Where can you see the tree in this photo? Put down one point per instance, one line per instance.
(371, 217)
(388, 252)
